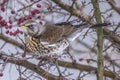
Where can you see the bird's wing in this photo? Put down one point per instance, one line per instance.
(68, 30)
(51, 33)
(54, 33)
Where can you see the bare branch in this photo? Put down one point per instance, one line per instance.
(114, 6)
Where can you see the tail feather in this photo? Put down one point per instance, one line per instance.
(74, 35)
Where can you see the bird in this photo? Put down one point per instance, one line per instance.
(49, 38)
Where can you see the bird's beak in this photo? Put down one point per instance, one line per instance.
(24, 27)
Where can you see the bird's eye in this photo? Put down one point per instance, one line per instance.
(30, 26)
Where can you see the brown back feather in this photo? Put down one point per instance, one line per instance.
(51, 33)
(55, 33)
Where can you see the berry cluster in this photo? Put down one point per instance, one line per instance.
(7, 20)
(8, 24)
(14, 33)
(35, 11)
(32, 14)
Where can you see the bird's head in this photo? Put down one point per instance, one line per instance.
(32, 28)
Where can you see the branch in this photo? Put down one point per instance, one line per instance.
(114, 6)
(32, 67)
(73, 11)
(100, 62)
(86, 68)
(113, 37)
(28, 5)
(12, 41)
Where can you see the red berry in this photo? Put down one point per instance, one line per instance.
(12, 12)
(24, 19)
(39, 17)
(11, 33)
(14, 34)
(35, 11)
(29, 17)
(81, 59)
(10, 26)
(17, 31)
(32, 12)
(38, 5)
(7, 31)
(6, 27)
(3, 23)
(1, 74)
(3, 8)
(21, 20)
(10, 21)
(41, 22)
(1, 17)
(21, 32)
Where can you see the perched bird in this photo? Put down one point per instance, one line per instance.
(49, 38)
